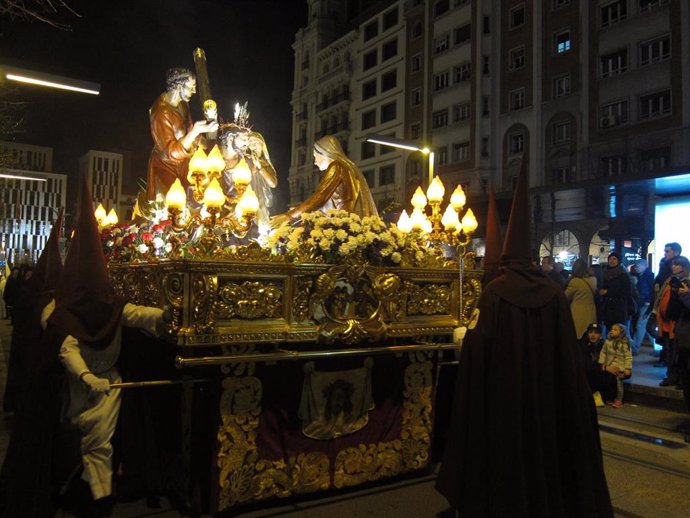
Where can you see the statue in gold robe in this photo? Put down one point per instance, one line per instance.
(342, 186)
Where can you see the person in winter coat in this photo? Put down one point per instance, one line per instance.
(580, 292)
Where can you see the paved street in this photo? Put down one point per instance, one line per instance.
(646, 459)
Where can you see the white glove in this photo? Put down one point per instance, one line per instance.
(95, 383)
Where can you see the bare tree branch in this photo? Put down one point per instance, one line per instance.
(44, 11)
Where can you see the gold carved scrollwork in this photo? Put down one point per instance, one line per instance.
(173, 290)
(300, 298)
(204, 288)
(243, 476)
(427, 299)
(138, 285)
(347, 302)
(365, 463)
(249, 300)
(471, 290)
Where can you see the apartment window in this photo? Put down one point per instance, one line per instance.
(441, 7)
(613, 165)
(655, 159)
(517, 99)
(461, 112)
(613, 12)
(485, 147)
(389, 49)
(369, 89)
(614, 63)
(368, 149)
(386, 149)
(369, 119)
(388, 112)
(416, 97)
(517, 58)
(486, 25)
(655, 105)
(370, 60)
(613, 114)
(388, 80)
(369, 176)
(439, 119)
(442, 155)
(461, 152)
(387, 175)
(462, 35)
(561, 175)
(655, 50)
(647, 5)
(441, 43)
(462, 72)
(561, 86)
(371, 30)
(415, 130)
(441, 81)
(416, 63)
(486, 102)
(486, 65)
(517, 16)
(390, 19)
(562, 41)
(417, 31)
(517, 143)
(561, 132)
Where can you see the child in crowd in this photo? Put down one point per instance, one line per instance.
(616, 360)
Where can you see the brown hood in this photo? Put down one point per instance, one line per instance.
(521, 283)
(86, 305)
(49, 266)
(492, 253)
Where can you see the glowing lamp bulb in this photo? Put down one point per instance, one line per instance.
(418, 199)
(450, 218)
(404, 224)
(198, 162)
(241, 174)
(214, 161)
(417, 219)
(176, 197)
(214, 197)
(436, 190)
(100, 213)
(469, 222)
(458, 198)
(111, 218)
(248, 204)
(427, 227)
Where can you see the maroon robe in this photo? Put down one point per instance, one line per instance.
(523, 440)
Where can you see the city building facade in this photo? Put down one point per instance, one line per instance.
(591, 93)
(104, 171)
(31, 195)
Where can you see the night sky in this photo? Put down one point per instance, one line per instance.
(127, 45)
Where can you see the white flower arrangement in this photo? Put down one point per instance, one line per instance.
(337, 235)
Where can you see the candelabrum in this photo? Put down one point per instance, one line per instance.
(440, 228)
(221, 214)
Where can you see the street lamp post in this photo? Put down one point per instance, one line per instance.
(402, 144)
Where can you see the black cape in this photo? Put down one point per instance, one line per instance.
(523, 440)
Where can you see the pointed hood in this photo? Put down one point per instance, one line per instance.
(49, 266)
(522, 284)
(86, 305)
(494, 242)
(516, 246)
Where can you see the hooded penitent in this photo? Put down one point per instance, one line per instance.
(86, 305)
(523, 439)
(494, 242)
(49, 265)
